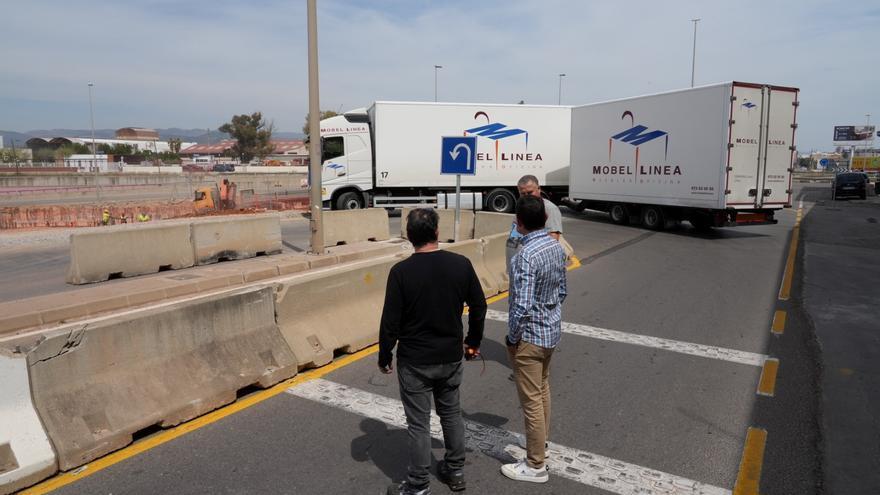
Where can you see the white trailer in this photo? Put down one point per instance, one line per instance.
(718, 155)
(389, 155)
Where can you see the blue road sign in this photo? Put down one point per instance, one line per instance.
(458, 155)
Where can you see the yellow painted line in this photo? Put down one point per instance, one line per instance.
(748, 479)
(164, 436)
(767, 383)
(785, 289)
(778, 326)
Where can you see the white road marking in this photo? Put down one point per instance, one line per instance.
(706, 351)
(583, 467)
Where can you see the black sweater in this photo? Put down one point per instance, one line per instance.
(424, 301)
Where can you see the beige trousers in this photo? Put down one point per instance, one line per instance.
(531, 373)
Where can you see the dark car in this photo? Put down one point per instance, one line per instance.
(850, 184)
(224, 167)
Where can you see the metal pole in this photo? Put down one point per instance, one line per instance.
(457, 205)
(94, 148)
(15, 157)
(694, 55)
(435, 81)
(315, 201)
(559, 102)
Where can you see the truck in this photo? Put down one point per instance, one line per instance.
(716, 156)
(388, 155)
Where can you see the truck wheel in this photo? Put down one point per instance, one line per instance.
(500, 201)
(619, 214)
(653, 218)
(349, 201)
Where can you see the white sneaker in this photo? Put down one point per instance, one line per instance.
(521, 471)
(521, 441)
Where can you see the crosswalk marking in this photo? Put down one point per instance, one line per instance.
(706, 351)
(583, 467)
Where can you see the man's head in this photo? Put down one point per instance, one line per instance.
(421, 226)
(528, 186)
(530, 214)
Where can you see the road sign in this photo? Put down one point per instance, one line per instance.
(458, 155)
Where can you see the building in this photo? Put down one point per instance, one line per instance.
(137, 134)
(285, 152)
(86, 163)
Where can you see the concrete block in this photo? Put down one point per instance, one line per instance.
(286, 267)
(447, 224)
(10, 322)
(96, 385)
(259, 272)
(235, 238)
(128, 250)
(322, 261)
(487, 223)
(350, 226)
(26, 456)
(495, 259)
(473, 250)
(333, 310)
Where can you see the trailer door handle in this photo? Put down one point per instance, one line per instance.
(767, 192)
(753, 193)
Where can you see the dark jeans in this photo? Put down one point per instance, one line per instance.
(417, 384)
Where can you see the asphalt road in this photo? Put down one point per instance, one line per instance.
(665, 403)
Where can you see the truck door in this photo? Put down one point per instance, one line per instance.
(745, 159)
(334, 163)
(780, 149)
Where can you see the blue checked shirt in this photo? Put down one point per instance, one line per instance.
(537, 290)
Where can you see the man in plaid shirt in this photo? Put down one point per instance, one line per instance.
(537, 290)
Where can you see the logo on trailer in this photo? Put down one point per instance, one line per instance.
(749, 105)
(636, 136)
(496, 131)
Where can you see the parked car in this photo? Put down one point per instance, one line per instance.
(224, 167)
(850, 184)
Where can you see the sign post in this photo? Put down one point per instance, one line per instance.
(458, 155)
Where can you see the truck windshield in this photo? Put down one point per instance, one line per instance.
(331, 147)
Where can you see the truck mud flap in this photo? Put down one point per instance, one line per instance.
(751, 218)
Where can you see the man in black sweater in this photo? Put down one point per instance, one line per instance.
(424, 301)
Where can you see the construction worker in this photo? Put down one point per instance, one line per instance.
(105, 217)
(143, 217)
(224, 194)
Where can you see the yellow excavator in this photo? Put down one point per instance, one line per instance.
(215, 198)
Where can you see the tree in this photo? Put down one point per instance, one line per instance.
(174, 144)
(253, 135)
(325, 114)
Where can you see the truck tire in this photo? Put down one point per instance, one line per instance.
(653, 217)
(349, 201)
(619, 214)
(500, 201)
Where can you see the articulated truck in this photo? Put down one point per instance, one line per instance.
(389, 154)
(718, 155)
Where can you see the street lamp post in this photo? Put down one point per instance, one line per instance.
(94, 148)
(436, 68)
(559, 100)
(15, 157)
(315, 197)
(694, 55)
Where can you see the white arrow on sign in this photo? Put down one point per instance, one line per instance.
(455, 151)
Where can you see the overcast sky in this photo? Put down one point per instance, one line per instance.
(195, 63)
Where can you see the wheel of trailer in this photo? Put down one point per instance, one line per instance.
(619, 214)
(500, 201)
(349, 201)
(653, 218)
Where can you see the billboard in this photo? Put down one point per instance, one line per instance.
(866, 163)
(853, 134)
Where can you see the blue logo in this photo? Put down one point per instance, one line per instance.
(334, 166)
(749, 105)
(637, 135)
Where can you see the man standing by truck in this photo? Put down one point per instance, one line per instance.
(424, 301)
(528, 186)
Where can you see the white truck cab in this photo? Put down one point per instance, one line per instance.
(346, 160)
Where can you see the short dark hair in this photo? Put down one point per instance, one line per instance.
(421, 226)
(530, 213)
(528, 179)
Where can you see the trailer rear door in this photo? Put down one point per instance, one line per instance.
(779, 153)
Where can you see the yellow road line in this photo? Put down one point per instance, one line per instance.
(778, 326)
(164, 436)
(785, 290)
(748, 479)
(767, 383)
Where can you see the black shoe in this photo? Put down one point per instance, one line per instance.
(406, 489)
(453, 479)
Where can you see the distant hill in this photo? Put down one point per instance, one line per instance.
(199, 136)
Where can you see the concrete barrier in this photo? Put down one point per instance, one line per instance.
(128, 250)
(26, 456)
(97, 384)
(447, 224)
(487, 223)
(235, 238)
(350, 226)
(495, 258)
(473, 250)
(337, 309)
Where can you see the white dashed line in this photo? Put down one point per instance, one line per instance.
(706, 351)
(583, 467)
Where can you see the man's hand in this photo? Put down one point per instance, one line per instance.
(509, 343)
(387, 369)
(555, 235)
(471, 353)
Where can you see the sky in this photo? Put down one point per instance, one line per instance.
(195, 63)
